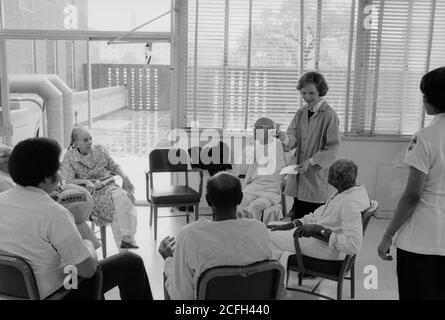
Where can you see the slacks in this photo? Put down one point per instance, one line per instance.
(302, 208)
(125, 270)
(420, 276)
(124, 217)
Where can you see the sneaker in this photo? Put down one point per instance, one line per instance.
(128, 245)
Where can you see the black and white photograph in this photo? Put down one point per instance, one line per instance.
(231, 158)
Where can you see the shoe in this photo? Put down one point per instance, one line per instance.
(128, 245)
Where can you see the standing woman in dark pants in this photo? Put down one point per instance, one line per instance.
(419, 219)
(314, 134)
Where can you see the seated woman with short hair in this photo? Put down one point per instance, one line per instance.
(91, 166)
(334, 229)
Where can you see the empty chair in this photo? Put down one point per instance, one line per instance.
(171, 195)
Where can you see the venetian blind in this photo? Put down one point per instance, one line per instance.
(245, 57)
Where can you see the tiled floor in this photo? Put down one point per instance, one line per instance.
(130, 135)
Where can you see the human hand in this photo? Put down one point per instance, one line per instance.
(286, 226)
(89, 186)
(383, 249)
(132, 197)
(308, 230)
(127, 185)
(167, 247)
(303, 167)
(281, 135)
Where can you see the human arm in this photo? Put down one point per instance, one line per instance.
(87, 268)
(178, 272)
(65, 239)
(69, 175)
(326, 156)
(405, 208)
(286, 226)
(290, 139)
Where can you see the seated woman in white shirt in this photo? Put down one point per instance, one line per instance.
(262, 167)
(337, 225)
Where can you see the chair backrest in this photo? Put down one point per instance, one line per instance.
(259, 281)
(17, 279)
(168, 160)
(368, 213)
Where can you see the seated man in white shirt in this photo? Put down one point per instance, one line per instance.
(76, 199)
(202, 245)
(38, 229)
(334, 229)
(262, 167)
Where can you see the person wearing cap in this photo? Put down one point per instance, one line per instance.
(315, 136)
(262, 182)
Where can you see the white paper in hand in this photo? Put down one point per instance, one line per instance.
(289, 170)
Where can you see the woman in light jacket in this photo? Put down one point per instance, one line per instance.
(314, 134)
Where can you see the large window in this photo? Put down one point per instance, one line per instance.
(93, 15)
(245, 57)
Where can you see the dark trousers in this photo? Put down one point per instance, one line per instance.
(302, 208)
(420, 276)
(125, 270)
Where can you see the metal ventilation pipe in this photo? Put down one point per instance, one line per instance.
(41, 86)
(68, 106)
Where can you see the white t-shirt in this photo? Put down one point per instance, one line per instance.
(424, 231)
(38, 229)
(203, 245)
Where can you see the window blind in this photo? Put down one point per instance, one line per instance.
(245, 58)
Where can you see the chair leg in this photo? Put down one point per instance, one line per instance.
(300, 278)
(103, 237)
(187, 214)
(197, 212)
(151, 215)
(340, 289)
(353, 282)
(155, 212)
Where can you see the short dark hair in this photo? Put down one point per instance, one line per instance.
(317, 79)
(343, 173)
(224, 191)
(33, 160)
(432, 86)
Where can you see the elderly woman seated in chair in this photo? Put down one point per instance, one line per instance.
(334, 229)
(92, 167)
(262, 182)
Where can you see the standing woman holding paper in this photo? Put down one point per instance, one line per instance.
(314, 134)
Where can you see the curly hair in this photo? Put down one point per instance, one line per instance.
(317, 79)
(432, 87)
(343, 174)
(33, 160)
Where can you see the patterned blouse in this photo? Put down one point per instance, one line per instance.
(97, 165)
